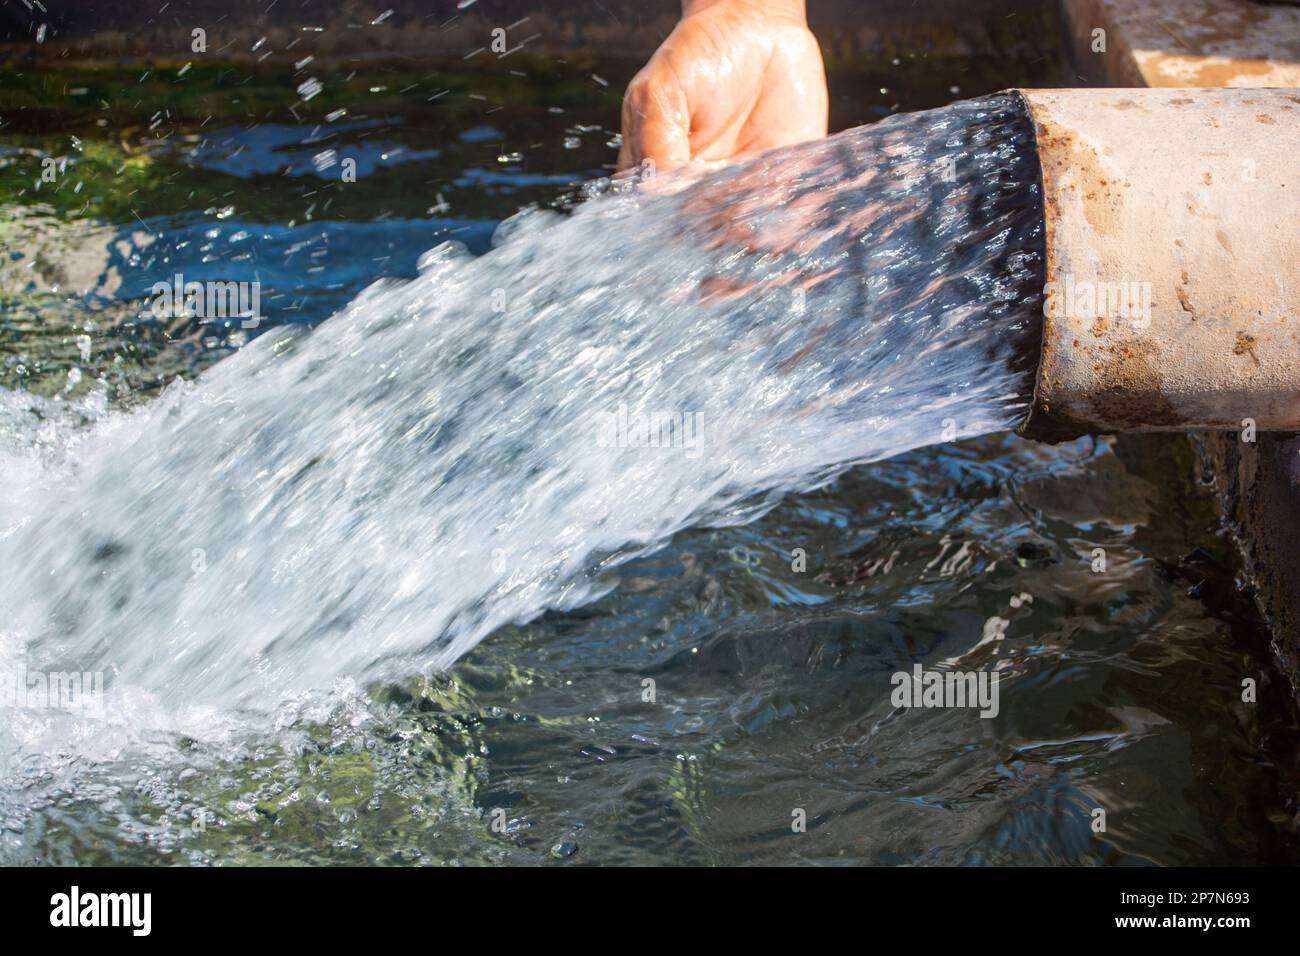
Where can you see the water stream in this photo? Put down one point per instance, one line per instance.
(475, 446)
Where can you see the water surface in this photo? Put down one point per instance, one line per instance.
(771, 684)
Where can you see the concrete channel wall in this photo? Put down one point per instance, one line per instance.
(1218, 43)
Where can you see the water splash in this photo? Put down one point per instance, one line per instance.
(487, 441)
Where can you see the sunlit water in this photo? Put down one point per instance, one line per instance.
(275, 564)
(471, 448)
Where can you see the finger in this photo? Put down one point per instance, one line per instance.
(656, 124)
(626, 157)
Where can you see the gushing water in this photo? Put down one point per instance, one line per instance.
(489, 440)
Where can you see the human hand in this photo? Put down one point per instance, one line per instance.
(734, 77)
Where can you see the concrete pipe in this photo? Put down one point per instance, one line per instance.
(1173, 260)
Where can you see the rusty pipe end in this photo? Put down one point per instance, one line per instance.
(1172, 227)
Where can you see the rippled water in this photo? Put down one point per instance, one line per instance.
(275, 563)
